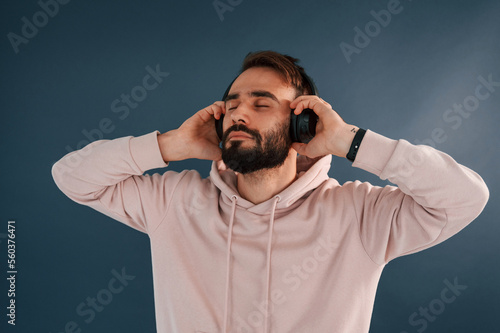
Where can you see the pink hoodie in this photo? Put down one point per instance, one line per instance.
(307, 260)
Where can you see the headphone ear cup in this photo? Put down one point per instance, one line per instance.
(218, 126)
(293, 127)
(303, 126)
(218, 122)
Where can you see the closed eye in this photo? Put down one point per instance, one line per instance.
(258, 106)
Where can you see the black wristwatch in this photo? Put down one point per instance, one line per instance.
(356, 142)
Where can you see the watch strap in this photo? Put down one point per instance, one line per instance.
(356, 142)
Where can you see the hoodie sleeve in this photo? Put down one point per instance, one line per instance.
(434, 199)
(107, 175)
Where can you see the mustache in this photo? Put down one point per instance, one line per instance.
(242, 128)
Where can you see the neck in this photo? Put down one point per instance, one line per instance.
(262, 185)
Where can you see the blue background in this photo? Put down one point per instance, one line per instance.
(63, 81)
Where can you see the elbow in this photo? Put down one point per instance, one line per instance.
(57, 173)
(60, 171)
(483, 196)
(70, 182)
(62, 176)
(478, 196)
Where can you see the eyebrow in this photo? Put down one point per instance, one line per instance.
(255, 93)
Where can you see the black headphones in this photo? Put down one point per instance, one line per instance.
(302, 126)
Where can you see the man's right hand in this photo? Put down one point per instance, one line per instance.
(195, 138)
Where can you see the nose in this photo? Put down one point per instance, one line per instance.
(240, 114)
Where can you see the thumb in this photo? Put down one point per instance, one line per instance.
(216, 154)
(299, 147)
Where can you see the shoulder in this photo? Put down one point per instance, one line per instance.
(351, 189)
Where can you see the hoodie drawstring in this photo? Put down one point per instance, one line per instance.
(268, 260)
(228, 260)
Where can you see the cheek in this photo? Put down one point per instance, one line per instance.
(286, 117)
(226, 121)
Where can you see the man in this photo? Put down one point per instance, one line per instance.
(274, 245)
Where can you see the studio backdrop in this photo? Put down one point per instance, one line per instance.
(73, 72)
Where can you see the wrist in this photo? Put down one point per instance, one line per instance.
(344, 140)
(356, 143)
(168, 147)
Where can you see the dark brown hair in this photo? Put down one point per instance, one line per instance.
(285, 65)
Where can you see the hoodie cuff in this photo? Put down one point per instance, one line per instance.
(374, 152)
(145, 151)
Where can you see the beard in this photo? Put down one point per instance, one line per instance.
(264, 154)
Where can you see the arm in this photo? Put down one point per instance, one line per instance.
(435, 197)
(107, 175)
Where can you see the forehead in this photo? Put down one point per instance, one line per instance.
(261, 78)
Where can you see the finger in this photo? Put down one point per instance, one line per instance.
(302, 98)
(223, 107)
(220, 109)
(296, 101)
(307, 104)
(325, 102)
(298, 108)
(321, 109)
(207, 113)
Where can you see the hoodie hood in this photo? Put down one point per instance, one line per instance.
(311, 173)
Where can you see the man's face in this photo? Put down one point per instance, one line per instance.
(256, 124)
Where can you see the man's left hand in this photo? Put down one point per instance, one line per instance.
(333, 135)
